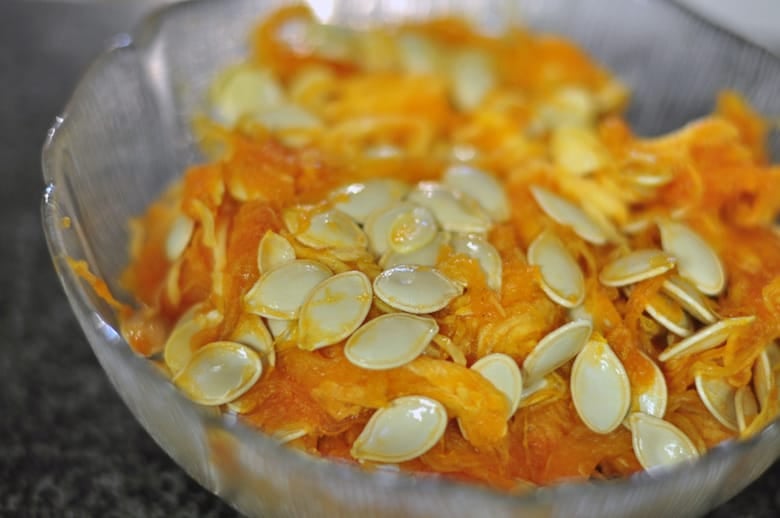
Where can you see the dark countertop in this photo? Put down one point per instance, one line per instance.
(68, 445)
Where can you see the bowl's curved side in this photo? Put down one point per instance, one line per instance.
(160, 78)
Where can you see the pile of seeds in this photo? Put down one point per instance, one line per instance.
(364, 272)
(404, 228)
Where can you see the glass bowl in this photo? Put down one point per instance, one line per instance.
(125, 135)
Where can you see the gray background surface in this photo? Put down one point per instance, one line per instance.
(68, 446)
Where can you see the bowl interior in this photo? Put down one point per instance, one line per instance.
(126, 134)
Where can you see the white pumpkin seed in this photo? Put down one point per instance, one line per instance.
(482, 187)
(453, 211)
(576, 150)
(390, 341)
(696, 260)
(546, 389)
(600, 388)
(555, 349)
(327, 229)
(567, 213)
(580, 313)
(480, 249)
(287, 116)
(419, 55)
(334, 309)
(425, 256)
(636, 266)
(502, 371)
(281, 292)
(473, 77)
(251, 331)
(705, 338)
(288, 435)
(379, 223)
(412, 230)
(179, 237)
(718, 396)
(415, 289)
(273, 251)
(689, 298)
(359, 200)
(745, 406)
(658, 443)
(667, 313)
(764, 378)
(651, 399)
(178, 347)
(562, 279)
(404, 430)
(243, 90)
(219, 372)
(279, 328)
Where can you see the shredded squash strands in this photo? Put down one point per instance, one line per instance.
(428, 250)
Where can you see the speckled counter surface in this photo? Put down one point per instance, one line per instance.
(68, 445)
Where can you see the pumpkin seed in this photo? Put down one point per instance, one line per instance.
(251, 331)
(667, 313)
(745, 406)
(219, 372)
(764, 378)
(390, 341)
(178, 347)
(718, 396)
(179, 237)
(412, 230)
(404, 430)
(562, 279)
(279, 327)
(379, 223)
(425, 256)
(636, 266)
(600, 388)
(705, 338)
(359, 200)
(273, 251)
(502, 371)
(480, 186)
(696, 260)
(243, 90)
(480, 249)
(567, 213)
(658, 443)
(685, 294)
(576, 150)
(453, 211)
(333, 310)
(652, 398)
(281, 292)
(473, 77)
(327, 229)
(555, 349)
(415, 289)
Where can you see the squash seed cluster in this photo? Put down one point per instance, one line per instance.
(403, 228)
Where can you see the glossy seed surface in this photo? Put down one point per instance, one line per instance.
(219, 372)
(334, 309)
(415, 289)
(556, 348)
(404, 430)
(390, 341)
(562, 278)
(600, 388)
(658, 443)
(281, 292)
